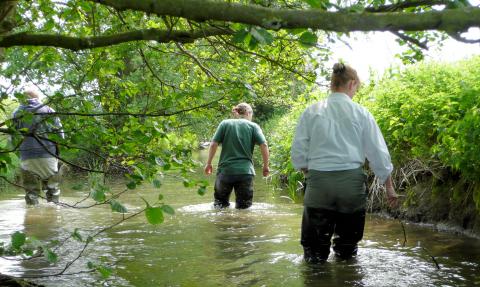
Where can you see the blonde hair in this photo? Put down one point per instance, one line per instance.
(242, 110)
(341, 75)
(31, 92)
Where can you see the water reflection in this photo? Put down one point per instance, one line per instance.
(234, 239)
(42, 221)
(336, 273)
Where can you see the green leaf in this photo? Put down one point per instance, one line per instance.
(98, 194)
(252, 43)
(154, 215)
(308, 39)
(18, 239)
(296, 31)
(240, 36)
(104, 271)
(117, 206)
(314, 3)
(261, 35)
(51, 256)
(157, 183)
(202, 190)
(160, 196)
(90, 265)
(168, 209)
(77, 236)
(132, 185)
(166, 166)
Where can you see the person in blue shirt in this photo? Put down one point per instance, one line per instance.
(332, 140)
(38, 154)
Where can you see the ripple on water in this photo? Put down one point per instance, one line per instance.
(295, 259)
(12, 211)
(395, 268)
(208, 207)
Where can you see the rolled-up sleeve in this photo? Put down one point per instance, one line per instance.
(376, 150)
(299, 151)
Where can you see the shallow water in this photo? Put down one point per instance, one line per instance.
(201, 246)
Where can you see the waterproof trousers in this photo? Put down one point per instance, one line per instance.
(242, 184)
(318, 227)
(40, 174)
(335, 204)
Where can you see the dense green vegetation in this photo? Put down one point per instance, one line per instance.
(431, 113)
(430, 117)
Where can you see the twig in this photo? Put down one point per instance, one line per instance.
(199, 63)
(422, 45)
(431, 256)
(404, 233)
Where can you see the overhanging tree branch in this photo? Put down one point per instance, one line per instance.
(81, 43)
(273, 18)
(406, 4)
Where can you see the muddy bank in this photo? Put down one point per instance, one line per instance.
(445, 205)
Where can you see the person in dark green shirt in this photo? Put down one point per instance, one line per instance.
(238, 138)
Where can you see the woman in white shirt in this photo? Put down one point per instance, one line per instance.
(332, 140)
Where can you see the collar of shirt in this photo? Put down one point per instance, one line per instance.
(337, 95)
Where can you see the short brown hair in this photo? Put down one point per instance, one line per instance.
(242, 109)
(341, 75)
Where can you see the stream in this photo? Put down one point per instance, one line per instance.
(202, 246)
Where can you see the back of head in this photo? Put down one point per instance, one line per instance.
(242, 110)
(341, 75)
(31, 92)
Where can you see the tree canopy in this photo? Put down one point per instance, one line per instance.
(449, 16)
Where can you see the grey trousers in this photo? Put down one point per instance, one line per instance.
(33, 184)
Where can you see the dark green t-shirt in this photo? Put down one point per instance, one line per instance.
(238, 138)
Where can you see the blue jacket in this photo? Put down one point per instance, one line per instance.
(40, 126)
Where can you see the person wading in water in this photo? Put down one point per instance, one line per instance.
(238, 137)
(332, 139)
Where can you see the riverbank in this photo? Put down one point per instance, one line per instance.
(437, 204)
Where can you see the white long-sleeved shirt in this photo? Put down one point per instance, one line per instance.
(338, 134)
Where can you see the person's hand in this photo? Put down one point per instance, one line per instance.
(392, 197)
(266, 170)
(208, 169)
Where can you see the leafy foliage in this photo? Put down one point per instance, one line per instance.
(431, 112)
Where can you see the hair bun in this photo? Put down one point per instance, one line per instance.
(338, 68)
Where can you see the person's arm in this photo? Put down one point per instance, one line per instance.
(392, 196)
(379, 159)
(211, 153)
(301, 141)
(265, 157)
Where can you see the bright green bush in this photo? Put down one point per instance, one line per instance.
(431, 112)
